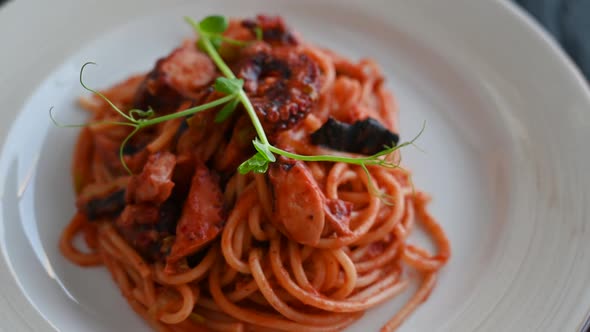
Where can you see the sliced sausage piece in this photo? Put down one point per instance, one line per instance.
(298, 204)
(202, 215)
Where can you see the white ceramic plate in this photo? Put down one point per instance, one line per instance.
(508, 123)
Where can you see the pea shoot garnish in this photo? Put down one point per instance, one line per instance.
(210, 31)
(139, 119)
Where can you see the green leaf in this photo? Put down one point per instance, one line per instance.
(216, 41)
(264, 150)
(214, 24)
(226, 111)
(229, 86)
(257, 164)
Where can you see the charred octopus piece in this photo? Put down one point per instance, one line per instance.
(108, 206)
(282, 84)
(102, 200)
(144, 222)
(177, 77)
(273, 28)
(365, 137)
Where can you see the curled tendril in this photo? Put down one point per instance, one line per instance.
(374, 190)
(136, 118)
(81, 125)
(122, 148)
(98, 93)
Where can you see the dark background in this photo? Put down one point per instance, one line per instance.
(569, 23)
(567, 20)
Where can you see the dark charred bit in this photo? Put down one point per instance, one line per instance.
(144, 238)
(130, 149)
(286, 164)
(138, 143)
(181, 129)
(150, 228)
(147, 242)
(274, 30)
(169, 215)
(107, 207)
(153, 93)
(364, 137)
(279, 168)
(196, 258)
(282, 84)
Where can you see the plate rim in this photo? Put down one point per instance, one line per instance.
(528, 22)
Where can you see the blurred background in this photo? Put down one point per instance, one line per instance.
(568, 21)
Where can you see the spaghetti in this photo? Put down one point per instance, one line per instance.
(196, 246)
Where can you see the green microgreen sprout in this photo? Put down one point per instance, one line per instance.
(139, 119)
(210, 31)
(212, 26)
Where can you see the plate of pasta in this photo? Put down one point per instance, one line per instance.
(255, 166)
